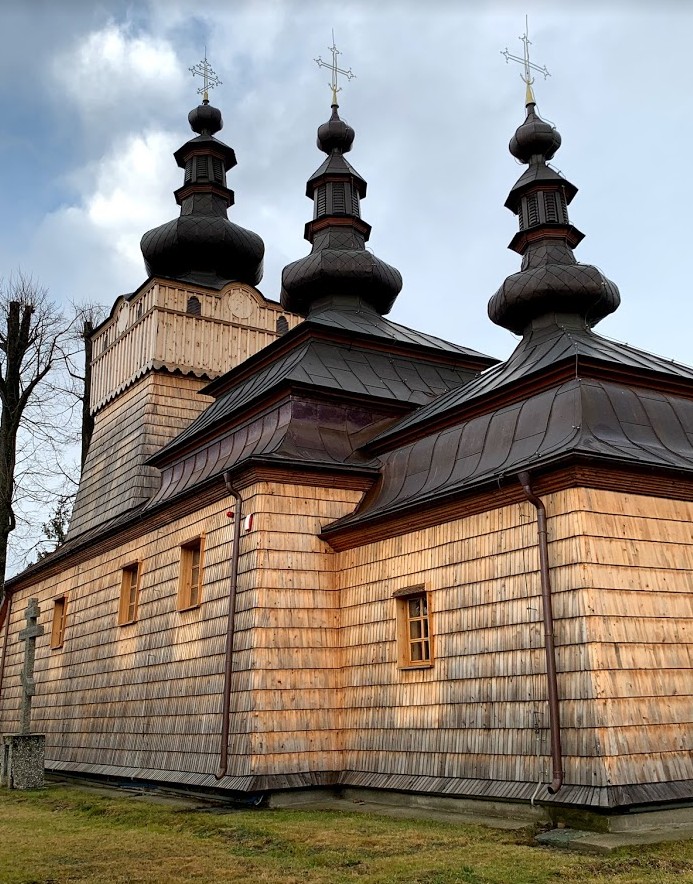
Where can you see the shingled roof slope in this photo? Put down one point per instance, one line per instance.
(580, 418)
(551, 341)
(332, 367)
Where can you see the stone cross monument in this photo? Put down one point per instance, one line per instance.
(28, 636)
(24, 753)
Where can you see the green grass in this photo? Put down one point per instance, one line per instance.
(68, 834)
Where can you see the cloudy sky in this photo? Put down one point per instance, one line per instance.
(95, 97)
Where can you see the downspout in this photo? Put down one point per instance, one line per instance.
(549, 641)
(8, 611)
(230, 628)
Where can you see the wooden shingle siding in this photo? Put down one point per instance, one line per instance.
(316, 691)
(127, 431)
(155, 330)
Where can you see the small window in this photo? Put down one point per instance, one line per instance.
(194, 307)
(129, 594)
(59, 618)
(190, 588)
(282, 325)
(414, 639)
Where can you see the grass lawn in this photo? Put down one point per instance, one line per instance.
(66, 834)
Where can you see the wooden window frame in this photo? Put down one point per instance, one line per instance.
(59, 622)
(186, 600)
(405, 639)
(126, 602)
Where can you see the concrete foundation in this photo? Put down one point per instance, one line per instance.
(23, 757)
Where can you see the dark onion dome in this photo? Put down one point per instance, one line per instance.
(202, 245)
(335, 133)
(339, 263)
(205, 119)
(534, 137)
(551, 280)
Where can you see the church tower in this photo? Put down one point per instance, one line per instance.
(197, 315)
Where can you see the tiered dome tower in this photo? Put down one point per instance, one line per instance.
(202, 246)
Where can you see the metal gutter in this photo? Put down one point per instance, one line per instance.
(549, 639)
(230, 631)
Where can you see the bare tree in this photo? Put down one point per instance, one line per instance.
(33, 335)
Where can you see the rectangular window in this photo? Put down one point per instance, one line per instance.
(129, 594)
(414, 638)
(59, 618)
(190, 587)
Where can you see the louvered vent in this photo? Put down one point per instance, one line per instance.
(564, 208)
(282, 325)
(551, 208)
(188, 172)
(194, 308)
(322, 200)
(338, 200)
(354, 202)
(217, 170)
(201, 170)
(532, 210)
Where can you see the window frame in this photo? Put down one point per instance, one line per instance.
(59, 622)
(404, 620)
(125, 593)
(187, 552)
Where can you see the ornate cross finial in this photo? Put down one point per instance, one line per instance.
(335, 70)
(529, 66)
(209, 78)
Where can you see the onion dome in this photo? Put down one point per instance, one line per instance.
(335, 133)
(551, 280)
(202, 246)
(339, 263)
(535, 137)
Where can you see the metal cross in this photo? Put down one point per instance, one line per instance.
(210, 80)
(335, 70)
(529, 66)
(29, 635)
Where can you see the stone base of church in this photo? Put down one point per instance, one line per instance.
(573, 804)
(23, 758)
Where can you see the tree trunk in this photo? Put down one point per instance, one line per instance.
(87, 418)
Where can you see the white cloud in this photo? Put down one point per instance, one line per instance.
(114, 68)
(90, 249)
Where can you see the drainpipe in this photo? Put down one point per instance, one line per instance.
(549, 642)
(228, 665)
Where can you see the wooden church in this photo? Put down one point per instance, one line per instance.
(313, 547)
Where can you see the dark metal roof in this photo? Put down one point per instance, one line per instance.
(297, 431)
(357, 317)
(335, 368)
(583, 417)
(552, 340)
